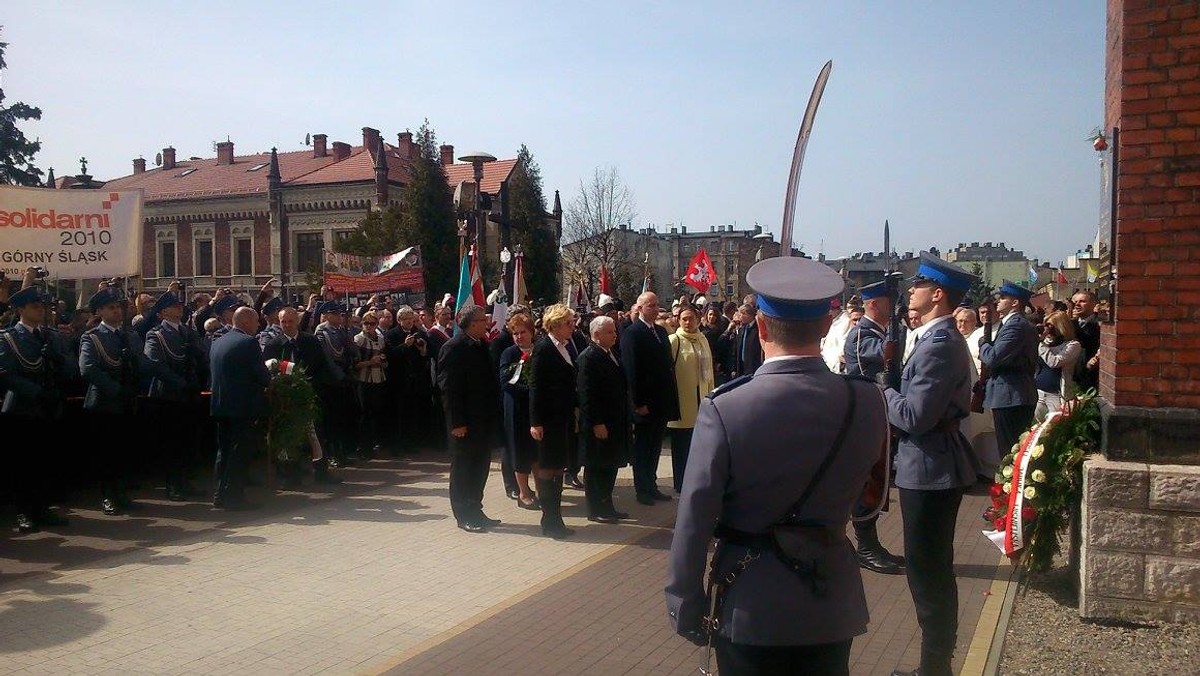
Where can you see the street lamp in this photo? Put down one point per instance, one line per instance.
(477, 161)
(505, 259)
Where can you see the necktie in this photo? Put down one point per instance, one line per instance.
(572, 351)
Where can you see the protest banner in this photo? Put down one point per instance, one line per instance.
(400, 271)
(72, 234)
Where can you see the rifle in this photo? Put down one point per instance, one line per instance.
(891, 352)
(980, 387)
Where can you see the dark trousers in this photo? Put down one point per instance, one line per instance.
(470, 461)
(822, 659)
(372, 421)
(28, 472)
(506, 469)
(337, 425)
(681, 442)
(598, 483)
(647, 447)
(111, 465)
(180, 418)
(237, 442)
(929, 518)
(1010, 422)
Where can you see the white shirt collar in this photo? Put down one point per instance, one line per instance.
(28, 327)
(921, 330)
(1007, 317)
(783, 357)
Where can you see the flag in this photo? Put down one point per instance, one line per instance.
(646, 283)
(1092, 274)
(519, 291)
(700, 274)
(1062, 279)
(1033, 276)
(605, 282)
(579, 300)
(470, 287)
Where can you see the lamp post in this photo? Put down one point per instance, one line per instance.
(505, 259)
(477, 161)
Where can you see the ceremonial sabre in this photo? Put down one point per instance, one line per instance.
(793, 186)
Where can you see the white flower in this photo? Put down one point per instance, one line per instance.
(1008, 487)
(1039, 476)
(1007, 471)
(1037, 451)
(1030, 493)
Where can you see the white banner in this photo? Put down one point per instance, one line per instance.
(73, 234)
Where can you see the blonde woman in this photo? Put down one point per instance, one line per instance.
(371, 376)
(694, 378)
(1058, 352)
(552, 397)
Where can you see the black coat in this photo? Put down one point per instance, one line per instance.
(551, 385)
(748, 354)
(603, 400)
(470, 392)
(650, 370)
(516, 408)
(305, 350)
(239, 377)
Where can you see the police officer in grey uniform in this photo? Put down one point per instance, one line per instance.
(270, 314)
(111, 363)
(335, 386)
(934, 463)
(864, 356)
(1012, 360)
(745, 476)
(33, 371)
(175, 360)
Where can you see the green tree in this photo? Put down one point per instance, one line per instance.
(17, 151)
(380, 233)
(980, 290)
(531, 229)
(427, 216)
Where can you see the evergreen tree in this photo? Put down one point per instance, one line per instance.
(380, 233)
(427, 216)
(531, 229)
(16, 151)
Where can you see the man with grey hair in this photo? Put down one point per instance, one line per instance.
(646, 357)
(604, 419)
(471, 400)
(408, 376)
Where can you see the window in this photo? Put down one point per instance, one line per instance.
(731, 246)
(309, 247)
(729, 289)
(188, 171)
(204, 258)
(257, 167)
(166, 259)
(339, 235)
(243, 257)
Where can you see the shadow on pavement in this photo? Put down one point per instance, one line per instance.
(68, 621)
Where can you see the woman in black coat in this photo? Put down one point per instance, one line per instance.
(515, 375)
(605, 417)
(552, 412)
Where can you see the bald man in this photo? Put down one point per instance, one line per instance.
(646, 357)
(239, 402)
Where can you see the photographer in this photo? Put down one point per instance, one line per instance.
(1058, 353)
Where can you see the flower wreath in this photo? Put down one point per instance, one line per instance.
(293, 411)
(1040, 484)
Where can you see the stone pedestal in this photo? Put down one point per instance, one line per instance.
(1141, 536)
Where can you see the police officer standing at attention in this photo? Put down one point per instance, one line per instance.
(934, 463)
(752, 482)
(1012, 360)
(335, 387)
(863, 352)
(174, 360)
(33, 372)
(110, 361)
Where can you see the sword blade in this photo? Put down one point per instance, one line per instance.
(793, 186)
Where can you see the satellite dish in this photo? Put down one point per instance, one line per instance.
(308, 139)
(158, 160)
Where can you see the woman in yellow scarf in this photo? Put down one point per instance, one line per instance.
(694, 378)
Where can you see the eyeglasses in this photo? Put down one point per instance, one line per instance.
(369, 323)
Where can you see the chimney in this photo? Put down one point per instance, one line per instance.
(139, 165)
(371, 138)
(224, 153)
(712, 228)
(319, 145)
(447, 155)
(407, 149)
(168, 155)
(340, 150)
(683, 229)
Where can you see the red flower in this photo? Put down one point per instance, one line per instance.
(1000, 523)
(1028, 513)
(996, 490)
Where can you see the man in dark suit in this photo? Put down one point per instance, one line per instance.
(1012, 360)
(605, 417)
(748, 354)
(288, 344)
(408, 358)
(646, 357)
(471, 400)
(239, 403)
(174, 359)
(1087, 332)
(110, 361)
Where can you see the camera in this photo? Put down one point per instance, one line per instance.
(40, 272)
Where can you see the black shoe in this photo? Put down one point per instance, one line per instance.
(572, 479)
(177, 495)
(534, 505)
(902, 672)
(322, 476)
(514, 494)
(48, 518)
(218, 502)
(486, 522)
(603, 518)
(645, 499)
(109, 507)
(332, 463)
(874, 560)
(27, 525)
(557, 532)
(617, 515)
(659, 495)
(472, 527)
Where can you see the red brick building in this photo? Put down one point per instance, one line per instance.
(239, 220)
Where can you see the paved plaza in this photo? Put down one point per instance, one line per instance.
(373, 577)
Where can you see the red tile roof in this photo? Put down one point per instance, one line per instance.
(196, 179)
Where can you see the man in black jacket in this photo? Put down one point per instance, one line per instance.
(604, 420)
(646, 356)
(471, 400)
(239, 404)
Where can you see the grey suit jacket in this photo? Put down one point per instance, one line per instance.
(935, 390)
(755, 447)
(1011, 360)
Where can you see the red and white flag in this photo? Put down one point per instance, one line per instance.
(700, 274)
(605, 282)
(1062, 279)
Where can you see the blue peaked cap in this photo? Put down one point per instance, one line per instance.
(875, 290)
(793, 288)
(1022, 294)
(943, 273)
(101, 298)
(26, 296)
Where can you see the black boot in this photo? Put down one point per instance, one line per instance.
(321, 473)
(609, 479)
(871, 553)
(550, 493)
(598, 503)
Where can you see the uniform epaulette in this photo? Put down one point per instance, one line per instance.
(730, 386)
(940, 336)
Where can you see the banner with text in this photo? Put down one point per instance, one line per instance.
(401, 271)
(73, 234)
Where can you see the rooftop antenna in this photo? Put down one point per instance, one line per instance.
(158, 160)
(308, 139)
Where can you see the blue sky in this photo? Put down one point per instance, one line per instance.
(958, 121)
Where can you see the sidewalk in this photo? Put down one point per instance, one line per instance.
(384, 582)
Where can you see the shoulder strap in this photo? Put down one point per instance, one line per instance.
(794, 513)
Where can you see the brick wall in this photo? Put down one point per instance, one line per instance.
(262, 247)
(1152, 94)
